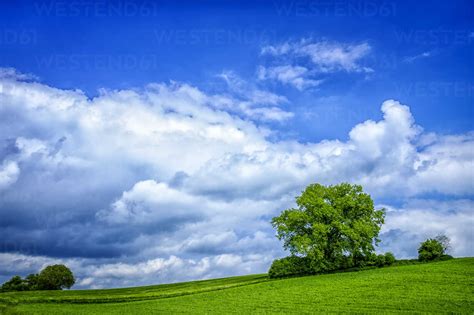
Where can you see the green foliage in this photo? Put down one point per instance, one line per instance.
(334, 226)
(429, 250)
(380, 260)
(389, 258)
(289, 266)
(435, 249)
(383, 260)
(55, 277)
(16, 283)
(32, 281)
(446, 257)
(420, 288)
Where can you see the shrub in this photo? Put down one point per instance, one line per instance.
(446, 257)
(16, 283)
(55, 277)
(380, 260)
(32, 281)
(290, 266)
(429, 250)
(362, 261)
(389, 258)
(346, 262)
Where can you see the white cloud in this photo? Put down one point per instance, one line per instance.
(303, 63)
(12, 73)
(151, 202)
(383, 156)
(446, 165)
(291, 75)
(425, 54)
(325, 56)
(252, 101)
(9, 172)
(330, 57)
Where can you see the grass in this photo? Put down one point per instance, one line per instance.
(446, 287)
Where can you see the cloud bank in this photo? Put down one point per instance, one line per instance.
(134, 186)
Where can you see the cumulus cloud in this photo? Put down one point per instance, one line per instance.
(383, 156)
(168, 177)
(149, 201)
(446, 165)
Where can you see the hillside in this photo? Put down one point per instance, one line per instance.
(433, 287)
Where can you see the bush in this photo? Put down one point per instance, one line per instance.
(32, 281)
(55, 277)
(290, 266)
(446, 257)
(429, 250)
(16, 283)
(368, 260)
(380, 260)
(389, 259)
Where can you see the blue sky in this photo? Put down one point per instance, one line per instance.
(86, 46)
(117, 118)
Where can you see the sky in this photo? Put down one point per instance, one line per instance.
(147, 142)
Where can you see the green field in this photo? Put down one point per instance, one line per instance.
(446, 287)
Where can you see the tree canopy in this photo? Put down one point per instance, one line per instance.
(55, 277)
(333, 226)
(433, 248)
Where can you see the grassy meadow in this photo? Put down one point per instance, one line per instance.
(439, 287)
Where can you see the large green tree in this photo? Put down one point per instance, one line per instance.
(55, 277)
(334, 226)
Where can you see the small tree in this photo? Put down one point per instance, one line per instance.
(331, 226)
(16, 283)
(32, 281)
(389, 258)
(55, 277)
(380, 260)
(431, 249)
